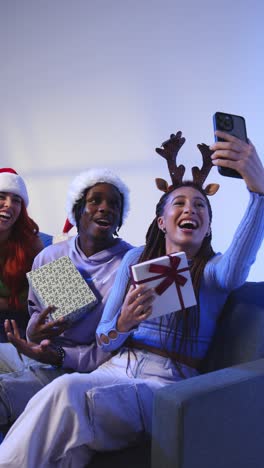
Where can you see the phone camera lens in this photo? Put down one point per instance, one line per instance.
(225, 122)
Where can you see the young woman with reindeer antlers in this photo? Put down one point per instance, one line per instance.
(111, 407)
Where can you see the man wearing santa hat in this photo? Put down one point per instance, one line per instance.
(97, 204)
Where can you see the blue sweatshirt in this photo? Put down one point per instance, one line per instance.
(222, 274)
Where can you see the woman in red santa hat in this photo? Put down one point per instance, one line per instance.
(19, 244)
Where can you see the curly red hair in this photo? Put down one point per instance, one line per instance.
(21, 247)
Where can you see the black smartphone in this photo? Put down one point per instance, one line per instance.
(234, 125)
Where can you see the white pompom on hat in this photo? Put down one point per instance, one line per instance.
(86, 180)
(11, 182)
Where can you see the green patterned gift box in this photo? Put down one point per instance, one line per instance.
(60, 284)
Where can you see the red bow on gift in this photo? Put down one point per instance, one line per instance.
(171, 274)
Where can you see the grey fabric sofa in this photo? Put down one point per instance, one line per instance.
(214, 420)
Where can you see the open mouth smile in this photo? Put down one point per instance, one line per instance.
(4, 216)
(104, 223)
(188, 224)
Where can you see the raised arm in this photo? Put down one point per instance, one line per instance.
(231, 269)
(241, 156)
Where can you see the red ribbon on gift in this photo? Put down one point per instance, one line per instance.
(172, 275)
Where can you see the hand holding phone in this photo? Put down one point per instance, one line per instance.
(234, 125)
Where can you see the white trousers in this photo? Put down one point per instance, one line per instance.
(77, 414)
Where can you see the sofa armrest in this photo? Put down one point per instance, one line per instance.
(212, 420)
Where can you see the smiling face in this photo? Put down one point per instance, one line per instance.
(101, 215)
(186, 220)
(10, 208)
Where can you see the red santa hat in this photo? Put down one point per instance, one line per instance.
(86, 180)
(10, 181)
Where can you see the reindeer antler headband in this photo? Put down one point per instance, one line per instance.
(169, 150)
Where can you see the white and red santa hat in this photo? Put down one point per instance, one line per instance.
(10, 181)
(87, 180)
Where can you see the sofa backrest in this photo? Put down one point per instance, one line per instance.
(46, 238)
(240, 332)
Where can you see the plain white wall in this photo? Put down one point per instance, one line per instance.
(87, 83)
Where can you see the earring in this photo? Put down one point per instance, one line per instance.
(164, 230)
(208, 233)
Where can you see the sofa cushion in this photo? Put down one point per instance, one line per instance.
(240, 333)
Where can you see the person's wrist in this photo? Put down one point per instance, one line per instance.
(61, 356)
(120, 326)
(123, 326)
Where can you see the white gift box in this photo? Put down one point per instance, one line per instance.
(171, 279)
(60, 284)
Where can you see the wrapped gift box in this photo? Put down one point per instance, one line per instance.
(59, 283)
(171, 279)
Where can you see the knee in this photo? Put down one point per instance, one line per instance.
(62, 383)
(64, 386)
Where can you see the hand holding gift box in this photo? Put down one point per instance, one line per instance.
(170, 277)
(60, 284)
